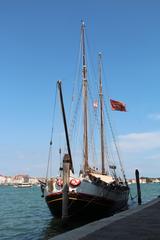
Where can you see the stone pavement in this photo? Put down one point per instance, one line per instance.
(141, 223)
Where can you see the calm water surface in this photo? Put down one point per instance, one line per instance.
(24, 215)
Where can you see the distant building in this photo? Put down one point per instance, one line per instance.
(2, 179)
(9, 180)
(19, 179)
(130, 181)
(156, 180)
(143, 180)
(33, 180)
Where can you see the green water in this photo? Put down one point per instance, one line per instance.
(149, 191)
(24, 215)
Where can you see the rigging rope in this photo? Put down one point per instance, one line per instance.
(75, 79)
(114, 140)
(92, 65)
(93, 125)
(75, 115)
(51, 137)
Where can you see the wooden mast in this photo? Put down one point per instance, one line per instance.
(85, 100)
(101, 113)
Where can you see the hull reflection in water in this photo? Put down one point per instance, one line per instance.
(56, 227)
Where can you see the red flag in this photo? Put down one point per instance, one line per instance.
(118, 106)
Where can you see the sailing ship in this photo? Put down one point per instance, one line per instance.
(93, 193)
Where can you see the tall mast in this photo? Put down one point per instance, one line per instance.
(101, 112)
(85, 99)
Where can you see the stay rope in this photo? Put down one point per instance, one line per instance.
(115, 143)
(51, 137)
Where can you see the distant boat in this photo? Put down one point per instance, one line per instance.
(22, 185)
(94, 192)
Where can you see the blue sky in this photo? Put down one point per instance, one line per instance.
(39, 44)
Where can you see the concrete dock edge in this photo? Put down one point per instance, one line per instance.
(81, 232)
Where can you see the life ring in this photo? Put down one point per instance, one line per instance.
(75, 182)
(59, 182)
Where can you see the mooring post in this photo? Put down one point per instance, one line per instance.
(138, 187)
(66, 175)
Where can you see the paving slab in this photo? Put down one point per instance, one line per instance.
(140, 223)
